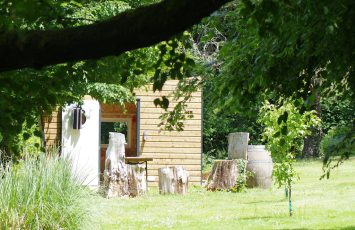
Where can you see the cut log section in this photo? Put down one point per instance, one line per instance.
(238, 145)
(173, 180)
(182, 180)
(116, 181)
(115, 175)
(223, 175)
(121, 180)
(137, 184)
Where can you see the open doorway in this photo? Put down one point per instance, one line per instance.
(122, 119)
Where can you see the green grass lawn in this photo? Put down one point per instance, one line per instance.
(325, 204)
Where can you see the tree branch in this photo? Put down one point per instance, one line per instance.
(129, 30)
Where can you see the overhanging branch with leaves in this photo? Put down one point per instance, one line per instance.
(129, 30)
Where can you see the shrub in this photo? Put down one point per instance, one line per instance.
(240, 186)
(40, 193)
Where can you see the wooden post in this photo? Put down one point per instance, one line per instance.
(238, 145)
(223, 175)
(173, 180)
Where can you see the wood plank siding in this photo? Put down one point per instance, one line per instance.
(171, 148)
(167, 148)
(52, 127)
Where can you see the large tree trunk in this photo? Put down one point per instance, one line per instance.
(173, 180)
(223, 175)
(133, 29)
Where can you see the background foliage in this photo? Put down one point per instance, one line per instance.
(26, 94)
(246, 52)
(253, 50)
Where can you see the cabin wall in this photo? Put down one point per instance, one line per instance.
(169, 148)
(52, 127)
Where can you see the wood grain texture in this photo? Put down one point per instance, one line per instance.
(171, 148)
(52, 127)
(168, 148)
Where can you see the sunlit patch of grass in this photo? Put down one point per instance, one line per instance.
(318, 204)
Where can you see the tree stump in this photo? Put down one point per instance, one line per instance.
(115, 175)
(116, 181)
(173, 180)
(223, 175)
(120, 179)
(137, 184)
(182, 180)
(238, 145)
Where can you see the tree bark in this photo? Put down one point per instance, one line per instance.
(137, 184)
(115, 175)
(223, 175)
(129, 30)
(121, 179)
(173, 180)
(182, 180)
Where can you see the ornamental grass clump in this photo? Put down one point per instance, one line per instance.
(40, 193)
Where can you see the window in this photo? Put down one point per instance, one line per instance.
(119, 125)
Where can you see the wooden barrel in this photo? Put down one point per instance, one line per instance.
(260, 165)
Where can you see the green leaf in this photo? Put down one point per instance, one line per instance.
(37, 133)
(282, 142)
(277, 134)
(165, 103)
(26, 136)
(282, 118)
(156, 102)
(284, 130)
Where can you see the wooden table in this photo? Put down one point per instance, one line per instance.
(140, 160)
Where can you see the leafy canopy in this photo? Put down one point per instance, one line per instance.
(27, 93)
(253, 50)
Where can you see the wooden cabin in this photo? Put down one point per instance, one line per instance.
(167, 148)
